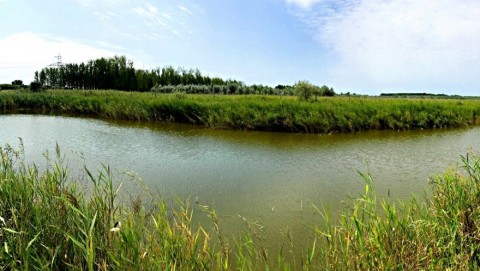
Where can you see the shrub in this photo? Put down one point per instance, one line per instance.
(7, 86)
(305, 90)
(35, 86)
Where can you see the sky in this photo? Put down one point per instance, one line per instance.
(358, 46)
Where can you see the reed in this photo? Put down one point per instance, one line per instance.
(440, 233)
(47, 222)
(253, 112)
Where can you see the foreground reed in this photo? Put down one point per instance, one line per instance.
(252, 112)
(48, 223)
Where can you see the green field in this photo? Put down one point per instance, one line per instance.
(252, 112)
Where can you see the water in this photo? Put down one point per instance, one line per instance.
(272, 178)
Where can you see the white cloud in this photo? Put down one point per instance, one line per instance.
(22, 54)
(166, 23)
(105, 16)
(186, 10)
(96, 3)
(151, 17)
(402, 44)
(303, 3)
(154, 20)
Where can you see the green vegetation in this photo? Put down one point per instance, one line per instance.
(48, 223)
(118, 73)
(16, 84)
(440, 233)
(252, 112)
(305, 90)
(35, 87)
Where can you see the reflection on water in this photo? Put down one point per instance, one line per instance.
(271, 177)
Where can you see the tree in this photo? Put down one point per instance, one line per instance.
(17, 83)
(35, 86)
(326, 91)
(305, 90)
(43, 77)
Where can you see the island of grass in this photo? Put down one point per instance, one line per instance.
(251, 112)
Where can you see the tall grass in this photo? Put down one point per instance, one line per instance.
(441, 233)
(269, 113)
(48, 223)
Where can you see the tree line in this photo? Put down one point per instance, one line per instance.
(119, 73)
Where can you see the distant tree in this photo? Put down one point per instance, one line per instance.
(43, 77)
(17, 83)
(7, 86)
(318, 92)
(305, 90)
(119, 73)
(35, 86)
(326, 91)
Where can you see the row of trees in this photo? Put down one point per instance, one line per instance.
(305, 91)
(103, 73)
(16, 84)
(119, 73)
(228, 88)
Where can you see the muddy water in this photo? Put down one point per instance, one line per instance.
(271, 178)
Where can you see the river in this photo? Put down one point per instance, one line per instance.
(272, 178)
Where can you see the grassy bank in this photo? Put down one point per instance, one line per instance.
(253, 112)
(48, 223)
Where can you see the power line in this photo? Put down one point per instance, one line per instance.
(16, 67)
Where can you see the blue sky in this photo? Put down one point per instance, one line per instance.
(362, 46)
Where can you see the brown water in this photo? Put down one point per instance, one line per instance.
(273, 178)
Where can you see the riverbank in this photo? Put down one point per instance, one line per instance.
(47, 221)
(252, 112)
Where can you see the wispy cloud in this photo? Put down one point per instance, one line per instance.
(165, 22)
(111, 46)
(396, 43)
(151, 16)
(166, 15)
(105, 16)
(186, 10)
(144, 19)
(96, 3)
(86, 3)
(303, 3)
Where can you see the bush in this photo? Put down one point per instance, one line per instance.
(35, 86)
(326, 91)
(7, 86)
(305, 90)
(17, 83)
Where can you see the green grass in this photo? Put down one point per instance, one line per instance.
(441, 233)
(253, 112)
(48, 223)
